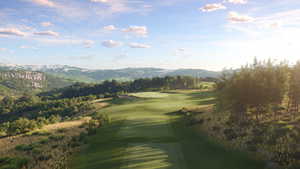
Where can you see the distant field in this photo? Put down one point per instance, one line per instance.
(148, 134)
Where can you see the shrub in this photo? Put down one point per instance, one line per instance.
(22, 125)
(56, 137)
(41, 121)
(13, 163)
(44, 157)
(24, 147)
(41, 133)
(44, 141)
(61, 130)
(54, 119)
(102, 118)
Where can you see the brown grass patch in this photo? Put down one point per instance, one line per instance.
(8, 144)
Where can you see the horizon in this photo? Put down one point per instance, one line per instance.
(179, 34)
(11, 64)
(153, 67)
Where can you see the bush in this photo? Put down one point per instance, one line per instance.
(22, 125)
(102, 118)
(56, 137)
(44, 141)
(13, 163)
(61, 130)
(44, 157)
(41, 133)
(24, 147)
(41, 121)
(54, 119)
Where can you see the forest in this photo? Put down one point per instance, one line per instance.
(113, 87)
(261, 101)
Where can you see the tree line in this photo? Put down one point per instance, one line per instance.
(113, 88)
(20, 115)
(259, 90)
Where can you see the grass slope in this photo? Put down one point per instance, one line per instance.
(143, 135)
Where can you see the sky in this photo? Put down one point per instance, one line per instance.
(111, 34)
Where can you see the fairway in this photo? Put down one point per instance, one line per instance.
(143, 135)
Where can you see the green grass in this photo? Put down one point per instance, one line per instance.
(149, 94)
(143, 136)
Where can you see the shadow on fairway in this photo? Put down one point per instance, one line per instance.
(155, 136)
(109, 149)
(185, 149)
(200, 152)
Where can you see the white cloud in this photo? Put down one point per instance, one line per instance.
(3, 49)
(275, 25)
(66, 41)
(238, 18)
(181, 52)
(139, 45)
(212, 7)
(111, 43)
(88, 43)
(47, 3)
(47, 33)
(137, 30)
(46, 24)
(11, 31)
(27, 47)
(181, 49)
(102, 1)
(109, 28)
(83, 57)
(147, 6)
(71, 9)
(105, 8)
(286, 18)
(236, 1)
(113, 7)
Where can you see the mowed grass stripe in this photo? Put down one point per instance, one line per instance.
(143, 136)
(153, 156)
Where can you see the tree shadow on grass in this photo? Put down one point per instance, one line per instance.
(146, 146)
(200, 151)
(203, 97)
(135, 148)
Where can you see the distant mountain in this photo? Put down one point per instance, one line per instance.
(19, 81)
(87, 75)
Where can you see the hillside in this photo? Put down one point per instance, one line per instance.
(88, 75)
(18, 81)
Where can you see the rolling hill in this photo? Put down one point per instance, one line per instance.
(19, 81)
(88, 75)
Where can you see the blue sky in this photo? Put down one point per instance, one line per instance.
(102, 34)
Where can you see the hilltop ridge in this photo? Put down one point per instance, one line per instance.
(98, 75)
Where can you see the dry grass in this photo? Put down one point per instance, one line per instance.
(66, 125)
(101, 103)
(8, 144)
(101, 100)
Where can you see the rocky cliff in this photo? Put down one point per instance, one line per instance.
(26, 79)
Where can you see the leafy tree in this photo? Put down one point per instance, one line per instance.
(294, 89)
(254, 89)
(22, 125)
